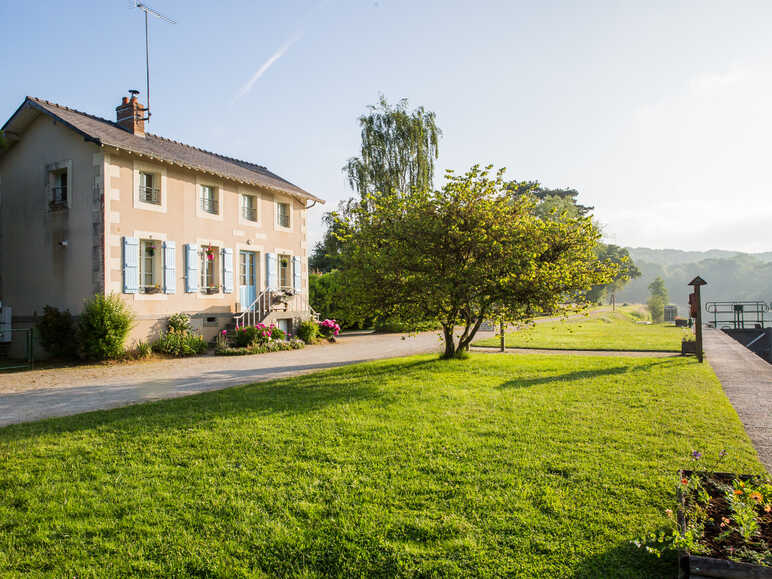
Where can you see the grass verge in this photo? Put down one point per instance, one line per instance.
(611, 331)
(537, 466)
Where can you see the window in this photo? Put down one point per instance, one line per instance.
(149, 266)
(283, 214)
(210, 258)
(57, 183)
(149, 191)
(249, 207)
(209, 202)
(285, 271)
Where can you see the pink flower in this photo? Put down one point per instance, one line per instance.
(224, 332)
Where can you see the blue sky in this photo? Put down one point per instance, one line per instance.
(657, 112)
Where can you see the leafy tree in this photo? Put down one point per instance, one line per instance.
(465, 253)
(397, 155)
(327, 296)
(627, 270)
(398, 150)
(550, 202)
(657, 300)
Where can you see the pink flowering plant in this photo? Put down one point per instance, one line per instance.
(329, 328)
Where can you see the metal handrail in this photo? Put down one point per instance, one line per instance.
(740, 313)
(263, 305)
(150, 195)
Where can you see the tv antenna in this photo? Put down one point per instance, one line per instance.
(147, 10)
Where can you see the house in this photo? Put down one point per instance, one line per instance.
(91, 206)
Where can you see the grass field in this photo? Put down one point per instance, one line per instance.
(537, 466)
(600, 331)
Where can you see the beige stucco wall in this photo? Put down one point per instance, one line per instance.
(35, 269)
(180, 219)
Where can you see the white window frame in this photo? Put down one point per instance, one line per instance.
(278, 201)
(258, 209)
(200, 184)
(288, 256)
(52, 169)
(159, 174)
(159, 238)
(157, 266)
(216, 264)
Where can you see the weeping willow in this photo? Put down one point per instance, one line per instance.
(399, 148)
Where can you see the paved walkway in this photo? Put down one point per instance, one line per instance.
(747, 381)
(36, 394)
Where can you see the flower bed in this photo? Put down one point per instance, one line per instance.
(261, 348)
(723, 526)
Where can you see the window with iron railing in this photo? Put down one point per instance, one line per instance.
(249, 207)
(58, 181)
(149, 192)
(209, 199)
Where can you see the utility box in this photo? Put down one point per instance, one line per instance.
(670, 313)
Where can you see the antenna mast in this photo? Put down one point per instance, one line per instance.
(147, 10)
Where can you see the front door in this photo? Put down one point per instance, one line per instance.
(248, 278)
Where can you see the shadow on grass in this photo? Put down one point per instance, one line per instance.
(291, 395)
(582, 375)
(627, 560)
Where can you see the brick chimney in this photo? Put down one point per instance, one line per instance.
(130, 115)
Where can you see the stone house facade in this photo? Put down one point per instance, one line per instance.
(91, 206)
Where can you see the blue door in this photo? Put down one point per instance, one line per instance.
(247, 278)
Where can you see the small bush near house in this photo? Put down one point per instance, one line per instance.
(141, 351)
(179, 322)
(180, 344)
(103, 327)
(308, 331)
(250, 335)
(329, 329)
(277, 333)
(57, 333)
(260, 348)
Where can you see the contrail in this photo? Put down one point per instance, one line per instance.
(267, 64)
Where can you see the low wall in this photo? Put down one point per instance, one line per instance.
(757, 340)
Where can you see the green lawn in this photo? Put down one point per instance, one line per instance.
(537, 466)
(599, 331)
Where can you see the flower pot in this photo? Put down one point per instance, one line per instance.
(691, 565)
(212, 290)
(688, 348)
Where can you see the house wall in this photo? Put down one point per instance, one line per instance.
(180, 219)
(35, 270)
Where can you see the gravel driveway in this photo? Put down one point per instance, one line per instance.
(36, 394)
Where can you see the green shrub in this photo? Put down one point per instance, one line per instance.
(103, 327)
(179, 322)
(308, 331)
(272, 346)
(142, 350)
(277, 333)
(395, 325)
(249, 335)
(57, 333)
(180, 344)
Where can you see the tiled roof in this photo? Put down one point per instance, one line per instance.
(107, 133)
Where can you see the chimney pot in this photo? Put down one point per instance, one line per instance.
(125, 100)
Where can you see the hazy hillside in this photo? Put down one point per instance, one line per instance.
(730, 275)
(677, 256)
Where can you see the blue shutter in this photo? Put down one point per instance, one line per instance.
(271, 273)
(296, 278)
(130, 265)
(192, 268)
(227, 270)
(170, 268)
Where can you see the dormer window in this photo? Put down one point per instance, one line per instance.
(149, 190)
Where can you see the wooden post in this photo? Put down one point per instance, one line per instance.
(501, 330)
(698, 282)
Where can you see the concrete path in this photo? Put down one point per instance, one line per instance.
(36, 394)
(747, 381)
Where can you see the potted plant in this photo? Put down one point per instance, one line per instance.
(213, 290)
(723, 524)
(154, 289)
(688, 345)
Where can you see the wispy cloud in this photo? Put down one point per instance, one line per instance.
(267, 64)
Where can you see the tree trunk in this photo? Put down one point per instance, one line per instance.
(450, 346)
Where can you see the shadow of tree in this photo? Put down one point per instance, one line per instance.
(581, 375)
(291, 395)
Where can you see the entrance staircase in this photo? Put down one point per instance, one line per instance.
(270, 301)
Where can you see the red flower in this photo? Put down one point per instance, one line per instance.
(684, 481)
